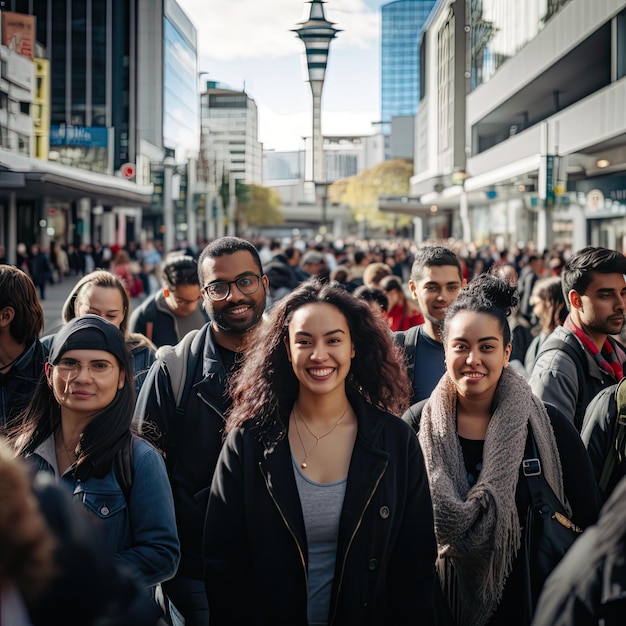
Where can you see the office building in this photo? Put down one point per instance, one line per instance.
(123, 94)
(547, 130)
(402, 21)
(230, 128)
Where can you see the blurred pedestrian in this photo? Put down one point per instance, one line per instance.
(401, 314)
(104, 294)
(166, 316)
(550, 310)
(22, 356)
(40, 269)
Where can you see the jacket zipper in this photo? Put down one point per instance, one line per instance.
(345, 555)
(210, 404)
(306, 578)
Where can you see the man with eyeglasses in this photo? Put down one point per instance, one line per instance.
(166, 316)
(190, 431)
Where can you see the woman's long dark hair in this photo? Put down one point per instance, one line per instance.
(266, 385)
(104, 436)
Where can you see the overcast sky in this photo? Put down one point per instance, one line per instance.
(248, 43)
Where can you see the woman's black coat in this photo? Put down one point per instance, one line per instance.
(255, 548)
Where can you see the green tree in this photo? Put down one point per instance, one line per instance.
(258, 206)
(360, 193)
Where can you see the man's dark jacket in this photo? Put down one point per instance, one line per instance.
(191, 439)
(18, 384)
(598, 434)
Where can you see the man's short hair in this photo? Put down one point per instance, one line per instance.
(359, 256)
(433, 256)
(577, 273)
(312, 257)
(18, 292)
(391, 283)
(227, 245)
(375, 272)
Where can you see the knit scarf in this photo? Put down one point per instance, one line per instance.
(607, 357)
(478, 529)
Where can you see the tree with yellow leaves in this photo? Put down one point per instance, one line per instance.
(360, 193)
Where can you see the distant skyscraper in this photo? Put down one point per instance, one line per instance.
(402, 23)
(229, 121)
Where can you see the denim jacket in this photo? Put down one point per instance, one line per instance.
(140, 533)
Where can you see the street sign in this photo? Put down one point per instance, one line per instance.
(128, 170)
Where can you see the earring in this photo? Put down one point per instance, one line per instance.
(166, 292)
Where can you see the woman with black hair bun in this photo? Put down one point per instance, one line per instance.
(473, 432)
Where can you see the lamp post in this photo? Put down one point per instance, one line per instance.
(316, 34)
(169, 165)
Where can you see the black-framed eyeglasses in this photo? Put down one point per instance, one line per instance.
(247, 284)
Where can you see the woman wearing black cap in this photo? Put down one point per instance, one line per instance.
(78, 427)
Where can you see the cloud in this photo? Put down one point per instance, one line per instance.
(240, 29)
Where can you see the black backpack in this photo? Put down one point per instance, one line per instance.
(617, 451)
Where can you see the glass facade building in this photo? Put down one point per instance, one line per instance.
(402, 22)
(499, 29)
(79, 38)
(180, 99)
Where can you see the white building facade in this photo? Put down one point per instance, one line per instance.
(521, 130)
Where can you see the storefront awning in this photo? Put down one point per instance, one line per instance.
(37, 178)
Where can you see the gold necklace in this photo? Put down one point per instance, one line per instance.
(69, 453)
(298, 415)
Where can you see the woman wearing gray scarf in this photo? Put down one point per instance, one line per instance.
(473, 432)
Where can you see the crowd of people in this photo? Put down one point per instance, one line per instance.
(291, 433)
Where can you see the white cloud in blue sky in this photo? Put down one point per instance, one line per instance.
(249, 43)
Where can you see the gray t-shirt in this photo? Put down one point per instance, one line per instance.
(321, 507)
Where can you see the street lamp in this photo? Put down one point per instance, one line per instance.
(169, 165)
(316, 34)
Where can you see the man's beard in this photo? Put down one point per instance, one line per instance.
(223, 325)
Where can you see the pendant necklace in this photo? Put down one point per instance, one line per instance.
(298, 416)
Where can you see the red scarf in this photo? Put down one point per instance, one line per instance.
(607, 358)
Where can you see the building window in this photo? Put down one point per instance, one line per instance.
(25, 108)
(23, 145)
(4, 101)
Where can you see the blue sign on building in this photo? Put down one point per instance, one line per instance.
(83, 136)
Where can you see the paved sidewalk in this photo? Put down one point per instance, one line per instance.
(56, 295)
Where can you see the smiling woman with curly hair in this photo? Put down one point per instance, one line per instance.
(320, 498)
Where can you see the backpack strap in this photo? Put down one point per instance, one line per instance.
(407, 340)
(176, 360)
(582, 371)
(617, 451)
